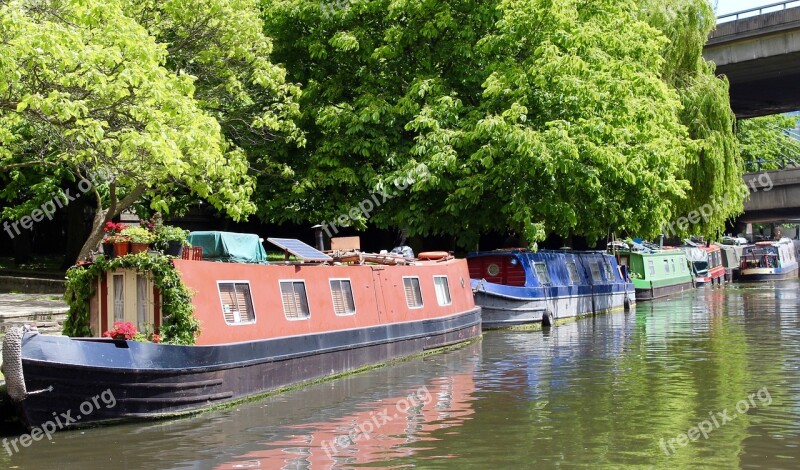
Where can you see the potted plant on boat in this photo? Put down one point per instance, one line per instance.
(110, 230)
(171, 239)
(122, 244)
(140, 238)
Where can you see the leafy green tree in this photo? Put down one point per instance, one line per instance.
(87, 92)
(765, 144)
(535, 115)
(713, 168)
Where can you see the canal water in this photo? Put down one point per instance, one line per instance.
(708, 379)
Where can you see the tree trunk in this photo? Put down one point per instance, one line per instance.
(95, 235)
(106, 215)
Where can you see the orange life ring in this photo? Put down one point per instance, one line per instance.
(433, 255)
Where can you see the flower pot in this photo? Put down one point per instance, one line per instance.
(174, 248)
(122, 249)
(139, 247)
(108, 250)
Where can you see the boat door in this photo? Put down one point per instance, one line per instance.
(380, 282)
(128, 296)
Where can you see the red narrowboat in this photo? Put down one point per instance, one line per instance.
(262, 327)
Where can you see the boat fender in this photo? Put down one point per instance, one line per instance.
(547, 319)
(433, 255)
(626, 304)
(12, 363)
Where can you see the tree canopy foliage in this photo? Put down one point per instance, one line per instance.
(766, 143)
(92, 88)
(539, 115)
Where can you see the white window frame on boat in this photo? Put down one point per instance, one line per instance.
(651, 265)
(666, 265)
(609, 271)
(546, 272)
(419, 289)
(445, 291)
(305, 291)
(222, 305)
(594, 268)
(340, 280)
(577, 277)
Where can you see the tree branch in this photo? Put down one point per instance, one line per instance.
(12, 166)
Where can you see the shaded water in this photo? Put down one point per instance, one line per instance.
(610, 391)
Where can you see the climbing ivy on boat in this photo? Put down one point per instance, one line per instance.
(178, 325)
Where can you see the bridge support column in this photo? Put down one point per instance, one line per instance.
(745, 230)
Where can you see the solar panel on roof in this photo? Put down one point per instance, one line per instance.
(300, 249)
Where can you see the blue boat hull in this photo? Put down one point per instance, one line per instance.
(502, 310)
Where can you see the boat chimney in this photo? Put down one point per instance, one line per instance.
(318, 237)
(661, 242)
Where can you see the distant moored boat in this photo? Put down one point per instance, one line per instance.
(517, 286)
(769, 260)
(655, 272)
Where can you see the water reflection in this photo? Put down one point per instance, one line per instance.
(604, 392)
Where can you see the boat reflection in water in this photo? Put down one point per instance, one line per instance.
(383, 430)
(376, 430)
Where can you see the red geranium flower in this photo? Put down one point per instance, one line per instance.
(121, 330)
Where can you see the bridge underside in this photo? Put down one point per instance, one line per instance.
(760, 55)
(774, 196)
(765, 86)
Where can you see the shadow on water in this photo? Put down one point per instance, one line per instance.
(646, 388)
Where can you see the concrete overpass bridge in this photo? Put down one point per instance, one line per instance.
(774, 196)
(759, 51)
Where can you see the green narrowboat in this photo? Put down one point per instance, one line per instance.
(654, 272)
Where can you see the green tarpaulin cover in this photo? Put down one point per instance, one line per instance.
(230, 247)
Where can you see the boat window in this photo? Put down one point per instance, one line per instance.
(666, 265)
(673, 265)
(413, 293)
(595, 268)
(652, 267)
(442, 290)
(119, 297)
(237, 302)
(541, 273)
(342, 293)
(609, 271)
(573, 272)
(683, 267)
(295, 300)
(141, 302)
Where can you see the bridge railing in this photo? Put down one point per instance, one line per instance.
(756, 166)
(737, 15)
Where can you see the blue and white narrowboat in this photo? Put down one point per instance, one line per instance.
(769, 260)
(517, 287)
